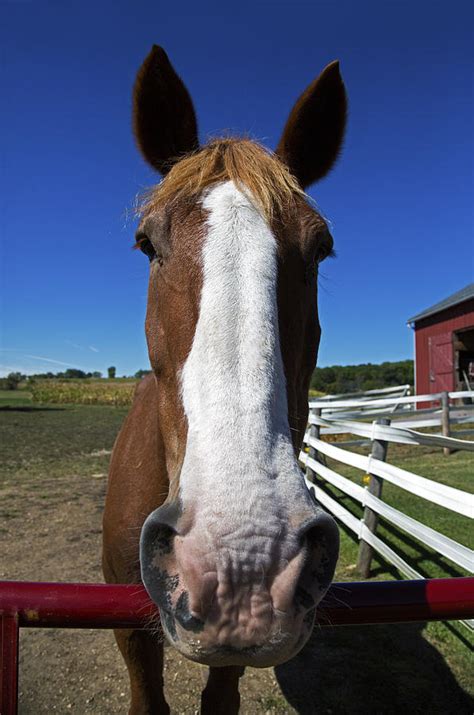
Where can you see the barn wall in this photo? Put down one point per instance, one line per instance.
(438, 358)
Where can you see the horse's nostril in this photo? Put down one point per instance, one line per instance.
(163, 539)
(157, 563)
(157, 538)
(184, 617)
(320, 529)
(159, 530)
(320, 536)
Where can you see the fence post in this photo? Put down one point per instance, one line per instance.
(314, 431)
(445, 420)
(379, 451)
(9, 639)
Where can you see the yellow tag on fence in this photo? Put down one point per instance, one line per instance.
(366, 479)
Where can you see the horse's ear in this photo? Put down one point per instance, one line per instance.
(164, 121)
(314, 131)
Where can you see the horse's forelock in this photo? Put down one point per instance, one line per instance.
(255, 170)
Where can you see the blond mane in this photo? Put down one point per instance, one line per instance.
(255, 170)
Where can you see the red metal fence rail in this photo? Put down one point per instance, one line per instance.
(84, 605)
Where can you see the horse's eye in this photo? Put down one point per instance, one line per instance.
(146, 247)
(325, 247)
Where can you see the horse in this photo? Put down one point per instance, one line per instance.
(206, 504)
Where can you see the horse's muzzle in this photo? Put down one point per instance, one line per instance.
(252, 604)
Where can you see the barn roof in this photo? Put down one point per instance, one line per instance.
(459, 297)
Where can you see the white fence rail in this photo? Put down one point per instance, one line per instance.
(360, 529)
(409, 418)
(458, 553)
(398, 433)
(325, 419)
(454, 499)
(401, 408)
(400, 390)
(361, 404)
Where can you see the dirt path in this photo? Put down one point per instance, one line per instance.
(53, 534)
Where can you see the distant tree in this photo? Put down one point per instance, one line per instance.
(74, 374)
(41, 376)
(96, 375)
(354, 378)
(111, 372)
(13, 380)
(141, 373)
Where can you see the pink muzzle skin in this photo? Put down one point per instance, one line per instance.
(218, 606)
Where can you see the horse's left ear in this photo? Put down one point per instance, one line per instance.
(314, 131)
(164, 121)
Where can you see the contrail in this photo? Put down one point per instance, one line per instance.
(55, 362)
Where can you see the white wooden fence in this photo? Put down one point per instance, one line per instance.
(345, 415)
(400, 407)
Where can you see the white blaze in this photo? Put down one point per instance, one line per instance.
(239, 470)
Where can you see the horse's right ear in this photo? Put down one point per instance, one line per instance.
(164, 121)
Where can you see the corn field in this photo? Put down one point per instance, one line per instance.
(82, 392)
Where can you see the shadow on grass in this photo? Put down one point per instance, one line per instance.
(421, 556)
(29, 408)
(424, 555)
(372, 670)
(458, 632)
(379, 567)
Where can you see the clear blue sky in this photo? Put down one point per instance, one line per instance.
(400, 199)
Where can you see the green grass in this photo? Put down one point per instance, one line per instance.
(456, 470)
(14, 398)
(417, 668)
(406, 650)
(54, 439)
(453, 640)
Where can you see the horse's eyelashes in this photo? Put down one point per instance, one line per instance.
(146, 247)
(148, 250)
(325, 247)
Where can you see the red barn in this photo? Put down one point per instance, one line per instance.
(444, 344)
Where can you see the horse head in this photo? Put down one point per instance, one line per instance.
(239, 555)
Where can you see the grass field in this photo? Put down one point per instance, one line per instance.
(383, 669)
(48, 440)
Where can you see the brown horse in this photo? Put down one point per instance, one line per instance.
(206, 502)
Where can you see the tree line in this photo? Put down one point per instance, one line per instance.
(330, 380)
(13, 379)
(338, 379)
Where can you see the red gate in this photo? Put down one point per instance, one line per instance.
(84, 605)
